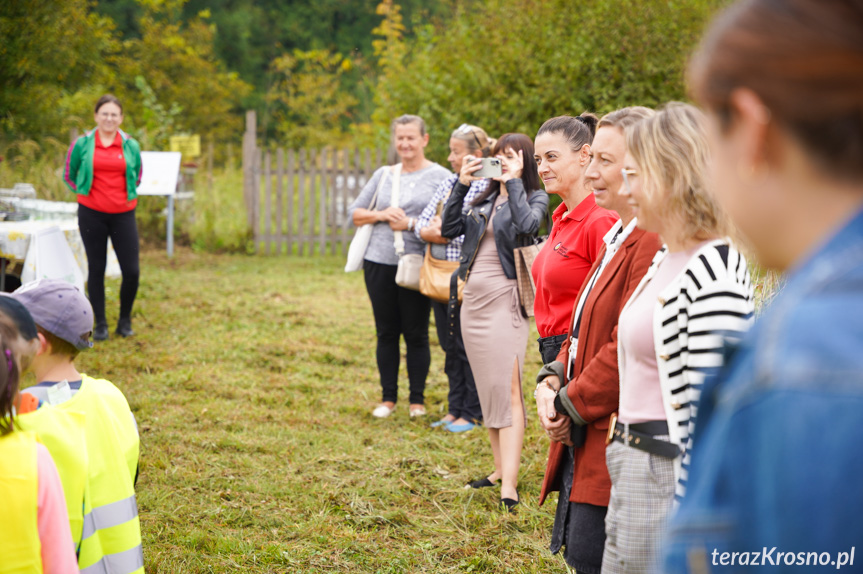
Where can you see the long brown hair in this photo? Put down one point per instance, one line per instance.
(10, 372)
(529, 173)
(804, 60)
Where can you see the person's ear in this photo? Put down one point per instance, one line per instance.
(750, 127)
(44, 345)
(584, 155)
(425, 140)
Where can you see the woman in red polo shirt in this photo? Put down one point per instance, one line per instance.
(563, 154)
(104, 168)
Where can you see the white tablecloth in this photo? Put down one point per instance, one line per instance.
(46, 257)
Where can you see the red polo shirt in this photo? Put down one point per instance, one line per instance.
(562, 264)
(108, 193)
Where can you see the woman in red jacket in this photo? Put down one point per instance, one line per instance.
(104, 168)
(585, 372)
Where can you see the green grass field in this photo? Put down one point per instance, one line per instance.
(253, 379)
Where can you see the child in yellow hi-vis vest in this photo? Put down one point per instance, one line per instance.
(100, 487)
(34, 530)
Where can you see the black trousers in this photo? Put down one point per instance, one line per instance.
(399, 311)
(463, 399)
(96, 227)
(578, 527)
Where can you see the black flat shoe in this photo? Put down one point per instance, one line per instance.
(100, 333)
(509, 504)
(482, 483)
(124, 328)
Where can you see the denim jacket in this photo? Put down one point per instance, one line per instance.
(777, 463)
(517, 221)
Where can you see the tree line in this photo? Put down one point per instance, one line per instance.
(335, 72)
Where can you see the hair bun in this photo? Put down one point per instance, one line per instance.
(588, 119)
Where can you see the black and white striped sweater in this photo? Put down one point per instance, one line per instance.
(710, 301)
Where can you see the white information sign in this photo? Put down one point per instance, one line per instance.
(160, 172)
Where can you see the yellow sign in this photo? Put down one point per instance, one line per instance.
(189, 146)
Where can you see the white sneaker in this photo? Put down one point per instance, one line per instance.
(382, 411)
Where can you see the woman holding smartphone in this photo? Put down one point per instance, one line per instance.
(506, 215)
(579, 224)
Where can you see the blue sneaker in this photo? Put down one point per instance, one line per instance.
(460, 428)
(440, 423)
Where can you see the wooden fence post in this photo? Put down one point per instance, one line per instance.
(249, 146)
(268, 203)
(280, 209)
(292, 159)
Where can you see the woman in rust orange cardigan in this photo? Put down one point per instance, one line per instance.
(577, 393)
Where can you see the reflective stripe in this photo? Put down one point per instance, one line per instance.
(120, 563)
(109, 515)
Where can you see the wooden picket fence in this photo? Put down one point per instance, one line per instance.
(297, 200)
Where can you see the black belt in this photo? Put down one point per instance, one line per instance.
(641, 435)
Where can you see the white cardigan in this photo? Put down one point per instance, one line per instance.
(711, 300)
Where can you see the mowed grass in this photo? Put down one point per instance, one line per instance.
(252, 380)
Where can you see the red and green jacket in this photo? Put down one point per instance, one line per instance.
(79, 164)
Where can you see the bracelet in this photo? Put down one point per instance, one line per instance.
(411, 224)
(539, 384)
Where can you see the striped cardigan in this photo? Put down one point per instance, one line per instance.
(710, 301)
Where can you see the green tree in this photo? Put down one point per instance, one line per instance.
(177, 62)
(50, 51)
(511, 64)
(309, 107)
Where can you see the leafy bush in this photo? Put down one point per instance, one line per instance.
(508, 65)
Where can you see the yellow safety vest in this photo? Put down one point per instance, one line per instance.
(20, 549)
(109, 539)
(62, 433)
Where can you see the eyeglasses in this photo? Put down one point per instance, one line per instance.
(468, 129)
(626, 173)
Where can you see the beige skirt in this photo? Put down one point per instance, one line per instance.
(495, 334)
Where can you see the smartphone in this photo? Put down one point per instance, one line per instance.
(490, 167)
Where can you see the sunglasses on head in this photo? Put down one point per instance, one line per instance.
(468, 129)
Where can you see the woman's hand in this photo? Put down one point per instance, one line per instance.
(545, 394)
(468, 167)
(403, 224)
(514, 166)
(391, 215)
(558, 430)
(431, 232)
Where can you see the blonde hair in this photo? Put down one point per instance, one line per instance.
(625, 117)
(475, 138)
(671, 151)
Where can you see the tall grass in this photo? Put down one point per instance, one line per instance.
(39, 164)
(253, 385)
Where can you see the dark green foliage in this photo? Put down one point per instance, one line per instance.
(515, 63)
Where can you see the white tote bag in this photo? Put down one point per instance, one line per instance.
(410, 264)
(360, 242)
